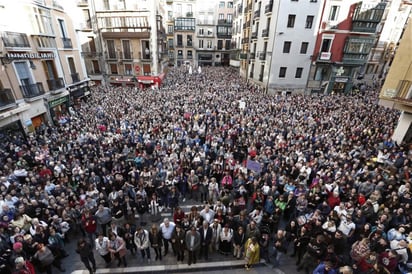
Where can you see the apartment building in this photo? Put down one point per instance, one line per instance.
(127, 41)
(43, 75)
(344, 41)
(388, 34)
(396, 92)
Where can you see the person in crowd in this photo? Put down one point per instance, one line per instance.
(156, 241)
(142, 242)
(102, 244)
(46, 259)
(252, 255)
(192, 240)
(206, 235)
(117, 249)
(167, 228)
(85, 250)
(178, 242)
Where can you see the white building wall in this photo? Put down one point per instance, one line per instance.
(296, 35)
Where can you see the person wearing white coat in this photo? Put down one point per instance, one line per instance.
(141, 239)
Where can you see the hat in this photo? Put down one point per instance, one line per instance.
(17, 245)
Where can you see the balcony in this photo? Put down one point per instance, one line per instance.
(224, 22)
(325, 56)
(180, 57)
(57, 5)
(189, 14)
(179, 45)
(256, 15)
(75, 77)
(6, 98)
(67, 43)
(252, 56)
(55, 84)
(126, 55)
(262, 56)
(254, 35)
(245, 40)
(269, 7)
(144, 56)
(91, 54)
(111, 55)
(243, 56)
(32, 90)
(223, 35)
(265, 33)
(15, 40)
(82, 3)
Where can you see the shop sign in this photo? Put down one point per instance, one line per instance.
(58, 101)
(30, 55)
(341, 80)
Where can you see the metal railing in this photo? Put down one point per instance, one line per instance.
(32, 90)
(6, 97)
(75, 77)
(67, 43)
(55, 84)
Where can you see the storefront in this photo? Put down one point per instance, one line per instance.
(150, 81)
(78, 91)
(59, 109)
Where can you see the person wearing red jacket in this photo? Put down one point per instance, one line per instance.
(89, 225)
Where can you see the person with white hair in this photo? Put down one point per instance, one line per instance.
(166, 228)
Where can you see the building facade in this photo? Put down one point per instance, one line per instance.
(123, 41)
(344, 41)
(43, 74)
(396, 92)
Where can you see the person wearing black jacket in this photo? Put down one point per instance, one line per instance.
(280, 246)
(205, 239)
(85, 250)
(239, 240)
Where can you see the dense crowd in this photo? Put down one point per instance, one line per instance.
(318, 177)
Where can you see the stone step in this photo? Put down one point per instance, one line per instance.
(175, 268)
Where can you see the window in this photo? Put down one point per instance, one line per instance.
(334, 13)
(170, 43)
(62, 28)
(229, 5)
(229, 17)
(282, 72)
(221, 4)
(127, 53)
(219, 44)
(128, 69)
(180, 54)
(304, 47)
(189, 54)
(111, 49)
(286, 46)
(209, 44)
(298, 73)
(96, 67)
(200, 44)
(309, 21)
(106, 4)
(180, 40)
(113, 69)
(72, 65)
(170, 15)
(170, 29)
(189, 41)
(227, 44)
(291, 20)
(221, 16)
(201, 31)
(185, 24)
(326, 43)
